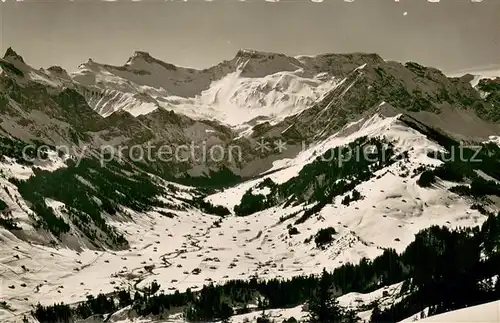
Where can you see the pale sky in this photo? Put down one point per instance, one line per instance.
(451, 35)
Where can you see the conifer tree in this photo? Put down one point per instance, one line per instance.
(323, 307)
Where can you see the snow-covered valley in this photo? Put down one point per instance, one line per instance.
(191, 248)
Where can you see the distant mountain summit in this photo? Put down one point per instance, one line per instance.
(10, 54)
(256, 94)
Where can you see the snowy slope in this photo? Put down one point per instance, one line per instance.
(238, 99)
(484, 313)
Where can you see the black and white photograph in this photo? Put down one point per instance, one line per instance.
(249, 161)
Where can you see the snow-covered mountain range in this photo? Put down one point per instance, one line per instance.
(73, 226)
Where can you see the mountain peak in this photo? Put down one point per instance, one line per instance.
(251, 53)
(354, 57)
(10, 53)
(141, 56)
(88, 64)
(56, 69)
